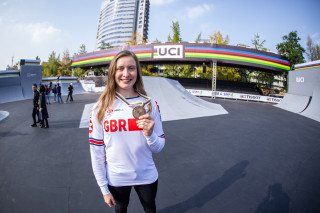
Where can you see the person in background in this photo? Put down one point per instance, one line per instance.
(54, 91)
(35, 110)
(70, 91)
(43, 108)
(47, 93)
(59, 93)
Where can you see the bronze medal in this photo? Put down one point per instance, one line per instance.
(138, 111)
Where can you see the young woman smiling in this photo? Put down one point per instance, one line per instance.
(121, 146)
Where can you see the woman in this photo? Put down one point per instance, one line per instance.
(43, 112)
(121, 146)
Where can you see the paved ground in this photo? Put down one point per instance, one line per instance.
(258, 158)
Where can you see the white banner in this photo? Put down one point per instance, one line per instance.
(168, 51)
(236, 96)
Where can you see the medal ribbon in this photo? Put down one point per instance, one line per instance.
(140, 103)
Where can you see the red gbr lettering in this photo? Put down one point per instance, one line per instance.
(121, 125)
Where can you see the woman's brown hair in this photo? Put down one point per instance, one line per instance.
(108, 95)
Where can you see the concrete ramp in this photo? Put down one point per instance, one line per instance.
(65, 82)
(313, 110)
(175, 102)
(30, 74)
(293, 103)
(10, 88)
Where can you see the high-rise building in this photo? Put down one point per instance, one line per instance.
(119, 20)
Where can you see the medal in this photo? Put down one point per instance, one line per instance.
(138, 109)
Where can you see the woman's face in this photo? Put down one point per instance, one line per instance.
(126, 73)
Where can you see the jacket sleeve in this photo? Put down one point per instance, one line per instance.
(97, 151)
(156, 141)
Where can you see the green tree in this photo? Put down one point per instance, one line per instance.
(169, 39)
(82, 49)
(157, 41)
(217, 38)
(45, 69)
(198, 38)
(257, 43)
(78, 72)
(291, 48)
(176, 33)
(103, 45)
(37, 58)
(65, 64)
(53, 64)
(313, 50)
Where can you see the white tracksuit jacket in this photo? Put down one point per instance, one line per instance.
(120, 153)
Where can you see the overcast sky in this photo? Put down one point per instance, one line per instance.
(30, 28)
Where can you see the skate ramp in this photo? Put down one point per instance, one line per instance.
(65, 82)
(29, 75)
(313, 110)
(10, 88)
(174, 101)
(294, 103)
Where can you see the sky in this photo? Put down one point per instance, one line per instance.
(37, 27)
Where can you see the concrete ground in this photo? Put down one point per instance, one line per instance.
(258, 158)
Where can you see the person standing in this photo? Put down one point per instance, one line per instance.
(125, 129)
(43, 108)
(54, 91)
(35, 111)
(47, 93)
(70, 91)
(59, 93)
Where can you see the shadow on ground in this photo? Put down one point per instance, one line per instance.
(211, 190)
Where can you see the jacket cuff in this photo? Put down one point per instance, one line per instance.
(104, 189)
(152, 138)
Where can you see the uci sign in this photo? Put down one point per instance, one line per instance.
(168, 51)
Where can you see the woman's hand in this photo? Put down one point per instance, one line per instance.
(108, 199)
(40, 109)
(146, 123)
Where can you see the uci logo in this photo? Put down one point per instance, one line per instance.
(168, 51)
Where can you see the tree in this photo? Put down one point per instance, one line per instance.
(198, 38)
(313, 50)
(53, 64)
(217, 38)
(136, 39)
(176, 33)
(257, 43)
(37, 58)
(291, 48)
(65, 64)
(157, 41)
(82, 49)
(78, 72)
(103, 45)
(15, 66)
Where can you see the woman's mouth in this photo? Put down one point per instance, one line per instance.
(126, 81)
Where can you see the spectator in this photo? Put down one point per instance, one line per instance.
(70, 91)
(54, 91)
(43, 108)
(59, 93)
(35, 110)
(47, 93)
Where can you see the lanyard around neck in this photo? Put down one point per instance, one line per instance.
(140, 103)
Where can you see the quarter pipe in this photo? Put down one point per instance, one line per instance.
(175, 102)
